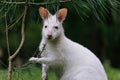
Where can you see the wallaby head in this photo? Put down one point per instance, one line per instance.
(52, 24)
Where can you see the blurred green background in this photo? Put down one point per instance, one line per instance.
(94, 24)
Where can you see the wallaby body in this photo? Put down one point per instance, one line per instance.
(70, 60)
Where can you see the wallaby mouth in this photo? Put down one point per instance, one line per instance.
(49, 37)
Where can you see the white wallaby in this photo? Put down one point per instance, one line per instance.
(70, 60)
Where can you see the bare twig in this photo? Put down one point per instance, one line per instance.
(39, 54)
(2, 63)
(10, 67)
(7, 40)
(33, 3)
(22, 33)
(10, 26)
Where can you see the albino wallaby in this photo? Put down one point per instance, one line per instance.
(70, 60)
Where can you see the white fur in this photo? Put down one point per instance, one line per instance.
(70, 60)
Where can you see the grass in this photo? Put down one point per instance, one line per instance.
(27, 73)
(34, 73)
(112, 73)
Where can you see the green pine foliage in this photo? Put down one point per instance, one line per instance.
(99, 8)
(34, 73)
(30, 72)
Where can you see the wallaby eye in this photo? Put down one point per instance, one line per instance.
(46, 26)
(56, 27)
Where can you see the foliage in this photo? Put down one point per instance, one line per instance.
(34, 73)
(112, 73)
(99, 8)
(31, 72)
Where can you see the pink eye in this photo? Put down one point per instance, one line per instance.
(56, 27)
(46, 26)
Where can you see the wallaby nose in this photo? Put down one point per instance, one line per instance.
(49, 36)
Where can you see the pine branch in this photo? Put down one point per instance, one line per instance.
(22, 33)
(33, 3)
(7, 40)
(10, 26)
(10, 67)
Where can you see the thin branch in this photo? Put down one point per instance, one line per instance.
(2, 63)
(7, 40)
(10, 26)
(33, 3)
(10, 67)
(39, 54)
(22, 33)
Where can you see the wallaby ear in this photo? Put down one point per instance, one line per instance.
(44, 13)
(61, 14)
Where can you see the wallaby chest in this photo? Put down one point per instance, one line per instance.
(55, 52)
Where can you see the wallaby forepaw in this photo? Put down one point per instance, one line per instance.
(33, 59)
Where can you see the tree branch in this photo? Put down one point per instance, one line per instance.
(10, 26)
(33, 3)
(22, 33)
(10, 67)
(7, 40)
